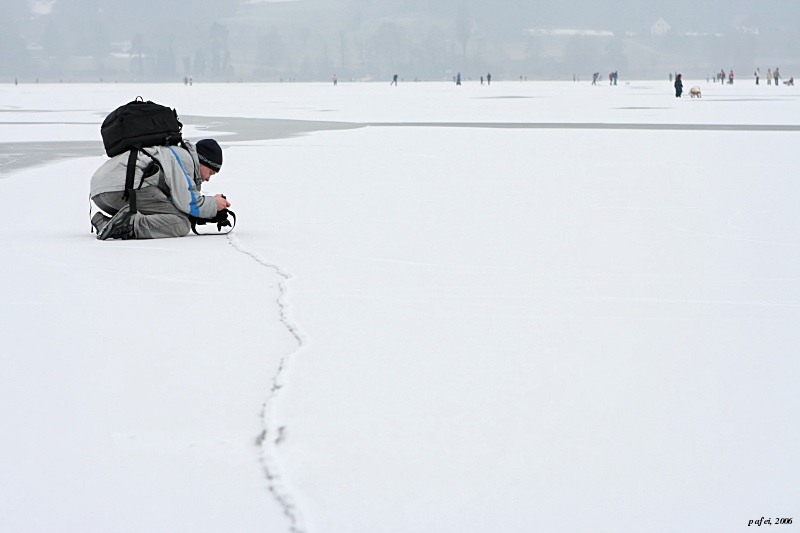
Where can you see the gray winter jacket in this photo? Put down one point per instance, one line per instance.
(178, 177)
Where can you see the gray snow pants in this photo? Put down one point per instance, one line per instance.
(157, 216)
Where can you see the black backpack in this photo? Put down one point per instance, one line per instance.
(138, 124)
(134, 126)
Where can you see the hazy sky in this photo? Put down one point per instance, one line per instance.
(594, 14)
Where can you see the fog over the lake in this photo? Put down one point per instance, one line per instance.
(311, 40)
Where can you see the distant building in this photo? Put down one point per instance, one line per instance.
(660, 27)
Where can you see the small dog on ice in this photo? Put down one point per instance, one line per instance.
(695, 91)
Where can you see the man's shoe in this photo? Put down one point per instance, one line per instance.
(120, 226)
(99, 221)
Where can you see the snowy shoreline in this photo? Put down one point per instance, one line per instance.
(530, 305)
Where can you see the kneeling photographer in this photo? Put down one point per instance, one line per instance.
(165, 200)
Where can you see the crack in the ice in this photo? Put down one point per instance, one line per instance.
(272, 434)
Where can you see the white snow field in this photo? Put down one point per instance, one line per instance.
(524, 307)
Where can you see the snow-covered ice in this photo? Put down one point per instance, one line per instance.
(518, 307)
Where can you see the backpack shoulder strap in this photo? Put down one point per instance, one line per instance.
(130, 192)
(152, 168)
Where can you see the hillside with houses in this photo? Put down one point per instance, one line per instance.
(310, 40)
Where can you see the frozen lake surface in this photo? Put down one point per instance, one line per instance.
(518, 307)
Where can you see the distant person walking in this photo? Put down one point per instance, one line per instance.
(678, 86)
(458, 79)
(730, 78)
(776, 76)
(489, 79)
(335, 80)
(769, 76)
(394, 81)
(757, 73)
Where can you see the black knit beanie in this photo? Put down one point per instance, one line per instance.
(209, 153)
